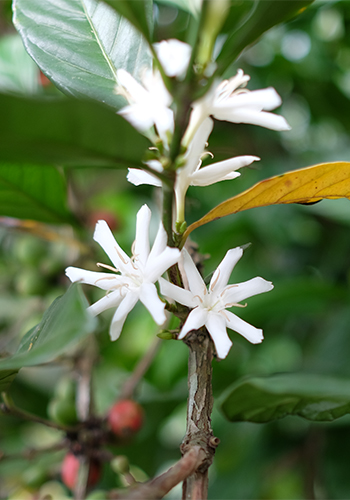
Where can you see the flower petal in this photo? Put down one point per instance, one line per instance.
(255, 117)
(159, 244)
(110, 300)
(141, 244)
(104, 237)
(242, 291)
(174, 56)
(223, 272)
(219, 171)
(156, 267)
(106, 281)
(258, 99)
(195, 280)
(126, 305)
(149, 298)
(195, 320)
(252, 334)
(216, 326)
(138, 177)
(135, 91)
(180, 295)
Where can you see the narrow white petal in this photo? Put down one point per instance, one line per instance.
(219, 171)
(180, 295)
(159, 244)
(254, 117)
(141, 245)
(195, 280)
(157, 266)
(242, 291)
(106, 281)
(140, 116)
(198, 145)
(195, 320)
(216, 326)
(110, 300)
(126, 305)
(138, 177)
(134, 89)
(252, 334)
(104, 237)
(149, 298)
(259, 99)
(223, 272)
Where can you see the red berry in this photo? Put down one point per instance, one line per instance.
(70, 469)
(105, 215)
(125, 418)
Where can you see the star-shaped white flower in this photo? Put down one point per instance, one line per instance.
(133, 277)
(191, 174)
(209, 305)
(174, 56)
(231, 101)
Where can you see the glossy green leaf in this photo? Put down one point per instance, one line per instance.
(264, 14)
(139, 13)
(33, 192)
(6, 379)
(67, 132)
(64, 323)
(305, 186)
(263, 399)
(80, 44)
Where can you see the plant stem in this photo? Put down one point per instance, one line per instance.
(199, 408)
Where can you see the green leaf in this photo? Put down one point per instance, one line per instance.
(263, 399)
(139, 13)
(6, 379)
(80, 44)
(64, 323)
(67, 132)
(263, 15)
(306, 185)
(33, 192)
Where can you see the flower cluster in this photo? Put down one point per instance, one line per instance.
(229, 100)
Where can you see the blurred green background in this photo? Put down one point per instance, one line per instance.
(304, 250)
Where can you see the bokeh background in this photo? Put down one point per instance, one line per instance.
(304, 250)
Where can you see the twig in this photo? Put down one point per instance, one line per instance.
(159, 486)
(199, 408)
(142, 367)
(31, 453)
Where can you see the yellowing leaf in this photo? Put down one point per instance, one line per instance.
(307, 185)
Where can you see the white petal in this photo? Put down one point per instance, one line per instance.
(140, 116)
(216, 326)
(219, 171)
(110, 300)
(174, 56)
(254, 117)
(138, 177)
(141, 244)
(104, 237)
(180, 295)
(198, 145)
(252, 334)
(156, 267)
(195, 280)
(159, 244)
(106, 281)
(196, 319)
(258, 99)
(134, 89)
(223, 272)
(126, 305)
(149, 298)
(242, 291)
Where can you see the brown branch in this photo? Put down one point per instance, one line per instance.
(199, 408)
(159, 486)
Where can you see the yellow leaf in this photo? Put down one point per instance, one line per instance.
(307, 185)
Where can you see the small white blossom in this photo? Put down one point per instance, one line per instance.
(231, 101)
(191, 174)
(174, 56)
(132, 278)
(209, 305)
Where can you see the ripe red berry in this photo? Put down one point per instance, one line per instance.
(70, 469)
(125, 418)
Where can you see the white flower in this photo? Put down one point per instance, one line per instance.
(231, 101)
(191, 174)
(209, 306)
(174, 56)
(134, 276)
(148, 103)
